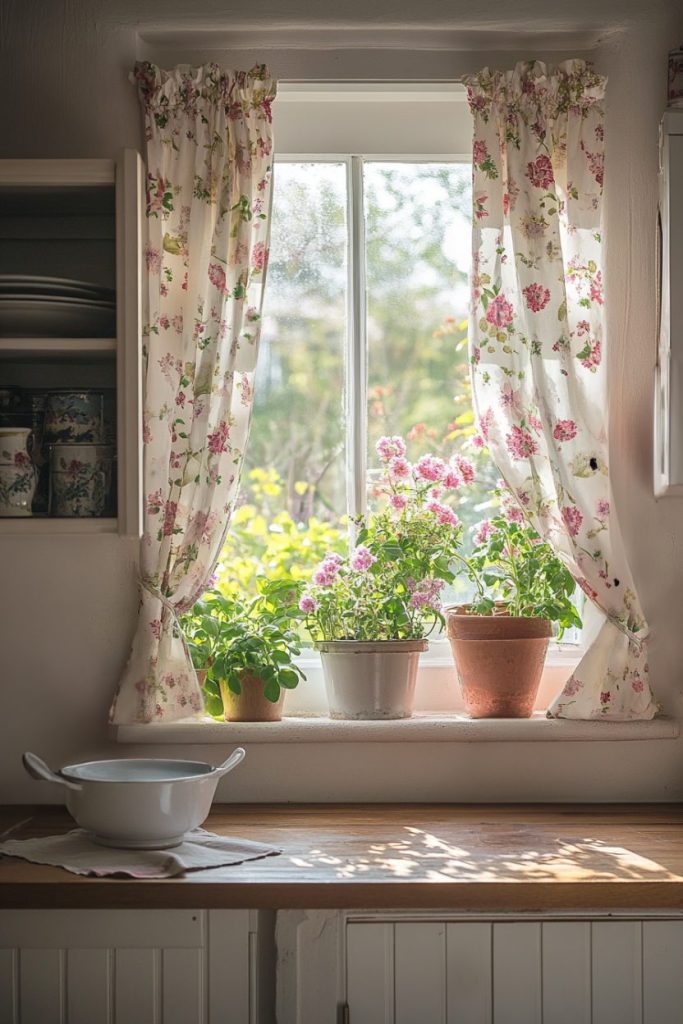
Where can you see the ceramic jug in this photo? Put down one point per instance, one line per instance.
(17, 472)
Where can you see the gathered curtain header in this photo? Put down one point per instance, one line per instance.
(183, 88)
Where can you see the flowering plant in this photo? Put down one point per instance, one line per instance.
(389, 587)
(511, 564)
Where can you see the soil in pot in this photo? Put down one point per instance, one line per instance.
(251, 705)
(499, 661)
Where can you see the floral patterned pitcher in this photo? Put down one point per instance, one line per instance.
(17, 473)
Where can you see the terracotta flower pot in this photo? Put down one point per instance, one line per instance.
(251, 705)
(499, 660)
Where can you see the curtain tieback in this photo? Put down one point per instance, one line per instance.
(155, 592)
(639, 640)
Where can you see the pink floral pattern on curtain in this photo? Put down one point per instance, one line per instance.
(209, 164)
(537, 350)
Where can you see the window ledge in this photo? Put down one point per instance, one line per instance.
(422, 728)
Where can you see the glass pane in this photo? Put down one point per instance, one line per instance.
(293, 488)
(419, 253)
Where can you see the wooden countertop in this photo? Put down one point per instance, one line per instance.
(425, 856)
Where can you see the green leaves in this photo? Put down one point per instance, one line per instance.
(228, 636)
(514, 566)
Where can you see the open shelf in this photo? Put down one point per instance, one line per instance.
(32, 526)
(57, 348)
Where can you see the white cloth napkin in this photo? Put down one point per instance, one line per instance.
(76, 852)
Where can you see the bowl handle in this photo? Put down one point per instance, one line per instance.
(237, 755)
(37, 769)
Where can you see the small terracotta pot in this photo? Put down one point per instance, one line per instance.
(499, 661)
(251, 705)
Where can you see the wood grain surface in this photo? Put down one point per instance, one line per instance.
(426, 856)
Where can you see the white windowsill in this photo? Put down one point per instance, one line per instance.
(424, 727)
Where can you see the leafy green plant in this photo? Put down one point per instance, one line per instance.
(511, 565)
(228, 636)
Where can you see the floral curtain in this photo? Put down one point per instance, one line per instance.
(209, 162)
(537, 350)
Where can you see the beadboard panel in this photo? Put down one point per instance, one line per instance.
(515, 972)
(133, 967)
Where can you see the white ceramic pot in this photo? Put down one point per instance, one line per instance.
(137, 803)
(370, 679)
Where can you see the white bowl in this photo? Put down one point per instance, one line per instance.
(139, 803)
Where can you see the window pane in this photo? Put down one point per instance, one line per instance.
(419, 253)
(294, 477)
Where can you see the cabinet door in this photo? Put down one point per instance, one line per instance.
(135, 967)
(516, 972)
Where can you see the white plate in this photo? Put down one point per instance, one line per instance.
(25, 284)
(32, 317)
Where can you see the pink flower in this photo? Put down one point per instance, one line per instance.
(500, 312)
(596, 288)
(478, 441)
(259, 256)
(217, 276)
(426, 594)
(479, 152)
(153, 260)
(389, 447)
(511, 510)
(443, 513)
(464, 468)
(520, 443)
(591, 355)
(155, 503)
(572, 518)
(451, 480)
(218, 439)
(484, 530)
(398, 501)
(170, 510)
(326, 573)
(537, 297)
(430, 467)
(605, 697)
(308, 604)
(602, 508)
(399, 467)
(565, 430)
(362, 559)
(638, 685)
(572, 687)
(540, 172)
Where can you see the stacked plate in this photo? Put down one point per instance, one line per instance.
(32, 306)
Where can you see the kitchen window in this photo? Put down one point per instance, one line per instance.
(364, 328)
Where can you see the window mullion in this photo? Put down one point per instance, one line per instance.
(357, 348)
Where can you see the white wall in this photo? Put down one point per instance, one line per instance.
(67, 605)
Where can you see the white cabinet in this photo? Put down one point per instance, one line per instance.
(136, 967)
(514, 972)
(78, 220)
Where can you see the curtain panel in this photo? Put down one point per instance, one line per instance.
(209, 170)
(537, 350)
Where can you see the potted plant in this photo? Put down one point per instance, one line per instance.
(499, 641)
(245, 650)
(370, 613)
